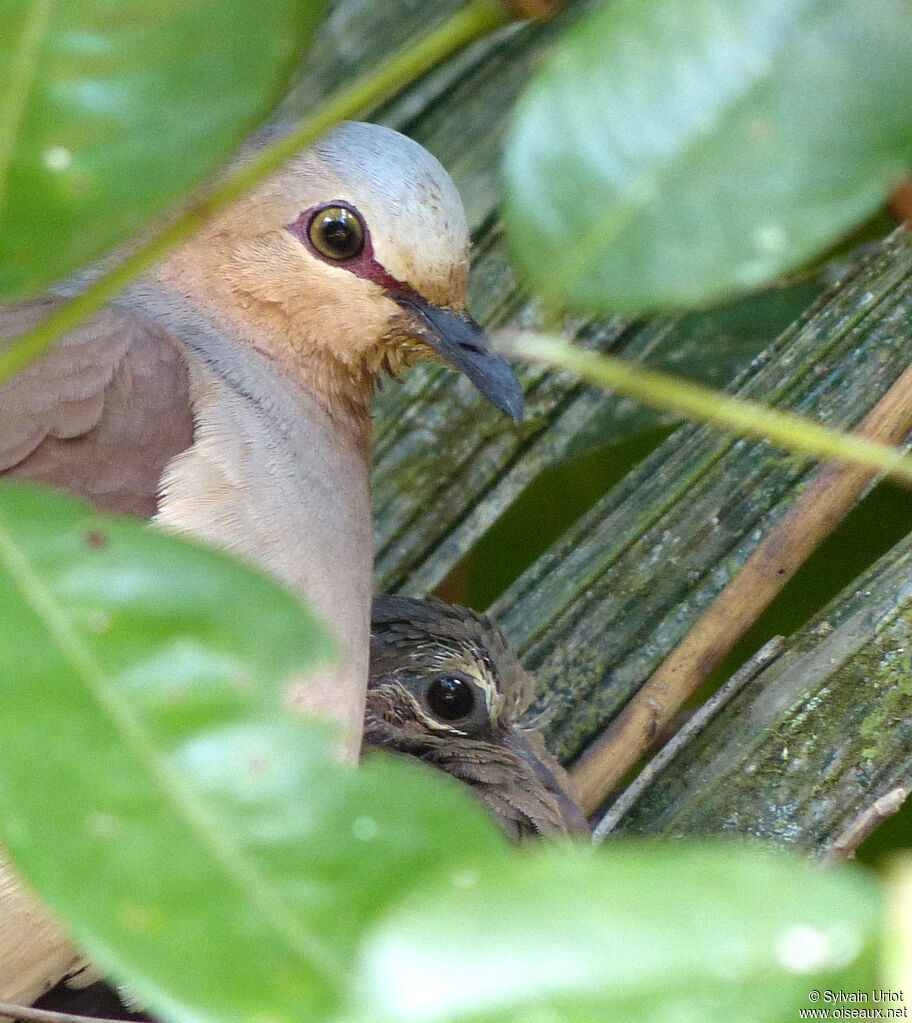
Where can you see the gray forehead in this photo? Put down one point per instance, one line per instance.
(389, 163)
(389, 169)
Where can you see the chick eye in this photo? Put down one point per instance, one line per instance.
(450, 698)
(337, 233)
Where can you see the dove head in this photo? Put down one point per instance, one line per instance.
(356, 255)
(445, 687)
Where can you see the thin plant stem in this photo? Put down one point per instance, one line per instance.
(694, 726)
(831, 493)
(752, 419)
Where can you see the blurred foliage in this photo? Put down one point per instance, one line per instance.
(675, 153)
(107, 115)
(197, 806)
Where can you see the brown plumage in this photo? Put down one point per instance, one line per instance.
(101, 414)
(446, 687)
(227, 393)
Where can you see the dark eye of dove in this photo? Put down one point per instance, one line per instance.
(451, 698)
(337, 233)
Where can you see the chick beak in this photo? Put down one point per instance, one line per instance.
(464, 344)
(571, 815)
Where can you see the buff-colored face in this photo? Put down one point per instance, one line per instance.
(360, 247)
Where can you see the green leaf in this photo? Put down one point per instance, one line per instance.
(160, 791)
(634, 932)
(674, 153)
(109, 112)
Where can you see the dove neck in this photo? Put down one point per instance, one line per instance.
(276, 478)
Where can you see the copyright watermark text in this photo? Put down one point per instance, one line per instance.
(879, 1003)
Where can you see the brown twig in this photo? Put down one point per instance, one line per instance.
(535, 10)
(900, 202)
(828, 499)
(9, 1010)
(860, 827)
(684, 735)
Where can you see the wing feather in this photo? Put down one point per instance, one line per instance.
(99, 415)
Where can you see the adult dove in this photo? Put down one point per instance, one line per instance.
(227, 394)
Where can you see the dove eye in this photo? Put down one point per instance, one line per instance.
(450, 698)
(337, 232)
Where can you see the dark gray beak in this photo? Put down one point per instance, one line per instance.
(464, 344)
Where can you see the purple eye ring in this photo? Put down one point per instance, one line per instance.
(311, 228)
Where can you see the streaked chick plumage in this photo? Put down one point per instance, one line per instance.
(445, 687)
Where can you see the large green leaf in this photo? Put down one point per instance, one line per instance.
(195, 833)
(110, 111)
(157, 788)
(635, 933)
(675, 152)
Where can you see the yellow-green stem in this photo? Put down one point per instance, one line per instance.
(736, 415)
(466, 25)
